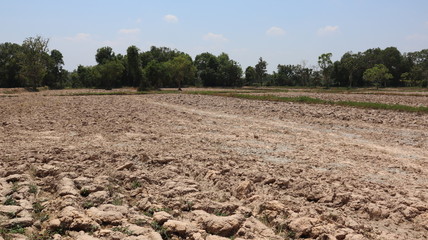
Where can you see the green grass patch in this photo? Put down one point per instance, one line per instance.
(243, 93)
(310, 100)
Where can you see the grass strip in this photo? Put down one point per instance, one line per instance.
(243, 95)
(310, 100)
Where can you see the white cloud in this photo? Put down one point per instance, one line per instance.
(327, 30)
(170, 18)
(139, 20)
(275, 31)
(129, 31)
(215, 37)
(79, 37)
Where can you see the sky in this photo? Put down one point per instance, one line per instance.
(279, 31)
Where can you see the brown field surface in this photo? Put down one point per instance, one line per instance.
(182, 166)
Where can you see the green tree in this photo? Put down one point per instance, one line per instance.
(34, 60)
(260, 69)
(104, 55)
(377, 75)
(10, 65)
(134, 66)
(325, 63)
(109, 73)
(350, 62)
(207, 67)
(182, 68)
(56, 74)
(250, 75)
(156, 74)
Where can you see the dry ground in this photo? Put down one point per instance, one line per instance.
(180, 166)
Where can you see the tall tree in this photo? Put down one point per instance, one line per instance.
(104, 55)
(156, 74)
(377, 75)
(182, 68)
(250, 75)
(134, 66)
(260, 69)
(34, 60)
(325, 63)
(109, 73)
(10, 65)
(56, 74)
(207, 66)
(350, 62)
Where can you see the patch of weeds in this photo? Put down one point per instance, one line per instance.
(45, 235)
(291, 234)
(15, 187)
(38, 212)
(135, 184)
(11, 214)
(10, 201)
(124, 230)
(220, 213)
(139, 222)
(188, 206)
(93, 229)
(264, 219)
(110, 190)
(160, 229)
(15, 229)
(117, 202)
(32, 189)
(87, 204)
(232, 237)
(38, 207)
(151, 211)
(84, 192)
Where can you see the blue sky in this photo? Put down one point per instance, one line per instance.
(280, 31)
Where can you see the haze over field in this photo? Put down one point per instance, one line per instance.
(282, 32)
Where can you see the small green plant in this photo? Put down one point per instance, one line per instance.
(139, 222)
(32, 189)
(135, 184)
(38, 207)
(15, 187)
(220, 213)
(10, 201)
(87, 204)
(110, 190)
(188, 206)
(14, 229)
(117, 202)
(84, 192)
(160, 229)
(11, 214)
(124, 230)
(38, 212)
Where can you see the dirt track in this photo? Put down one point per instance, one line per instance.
(211, 166)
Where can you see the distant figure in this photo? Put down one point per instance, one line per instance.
(179, 89)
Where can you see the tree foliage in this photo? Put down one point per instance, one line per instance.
(377, 75)
(31, 65)
(325, 63)
(260, 69)
(135, 72)
(34, 59)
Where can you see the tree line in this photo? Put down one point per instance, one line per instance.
(32, 65)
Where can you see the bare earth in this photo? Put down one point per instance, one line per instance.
(180, 166)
